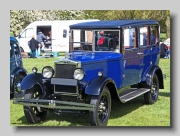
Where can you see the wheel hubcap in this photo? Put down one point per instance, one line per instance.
(17, 88)
(103, 108)
(153, 90)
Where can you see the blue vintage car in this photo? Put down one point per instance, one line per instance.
(17, 72)
(110, 59)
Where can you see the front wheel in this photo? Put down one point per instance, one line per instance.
(100, 115)
(152, 96)
(34, 114)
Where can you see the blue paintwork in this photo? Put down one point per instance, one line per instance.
(150, 57)
(95, 87)
(13, 39)
(110, 24)
(110, 63)
(15, 61)
(16, 64)
(114, 65)
(30, 80)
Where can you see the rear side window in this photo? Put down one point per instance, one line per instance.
(144, 36)
(129, 38)
(154, 37)
(14, 50)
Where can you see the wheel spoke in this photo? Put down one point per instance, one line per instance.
(102, 109)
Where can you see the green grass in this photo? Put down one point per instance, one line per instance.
(132, 113)
(163, 36)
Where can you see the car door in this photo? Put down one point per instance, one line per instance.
(149, 50)
(12, 58)
(131, 57)
(15, 56)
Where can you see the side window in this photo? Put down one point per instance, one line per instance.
(16, 50)
(144, 36)
(23, 35)
(154, 37)
(107, 40)
(129, 38)
(27, 33)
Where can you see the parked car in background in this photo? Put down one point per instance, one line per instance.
(17, 72)
(59, 34)
(112, 59)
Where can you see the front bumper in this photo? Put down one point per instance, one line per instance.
(53, 104)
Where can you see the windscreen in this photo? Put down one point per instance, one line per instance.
(95, 40)
(81, 40)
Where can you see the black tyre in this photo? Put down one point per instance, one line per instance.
(16, 85)
(152, 96)
(34, 114)
(101, 113)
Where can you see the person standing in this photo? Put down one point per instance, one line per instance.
(163, 49)
(40, 38)
(33, 47)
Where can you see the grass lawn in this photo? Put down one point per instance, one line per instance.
(163, 36)
(132, 113)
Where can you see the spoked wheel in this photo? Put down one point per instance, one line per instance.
(16, 85)
(34, 114)
(152, 96)
(100, 115)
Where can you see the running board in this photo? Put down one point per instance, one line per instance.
(132, 93)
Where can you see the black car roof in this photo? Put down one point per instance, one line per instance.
(112, 24)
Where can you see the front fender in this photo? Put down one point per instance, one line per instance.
(30, 80)
(96, 85)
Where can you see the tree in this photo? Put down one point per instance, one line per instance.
(161, 15)
(19, 19)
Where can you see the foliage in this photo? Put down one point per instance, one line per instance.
(19, 19)
(160, 15)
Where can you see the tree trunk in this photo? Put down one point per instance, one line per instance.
(168, 27)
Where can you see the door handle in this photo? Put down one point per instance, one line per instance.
(139, 53)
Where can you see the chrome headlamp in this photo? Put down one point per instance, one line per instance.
(79, 74)
(34, 70)
(47, 72)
